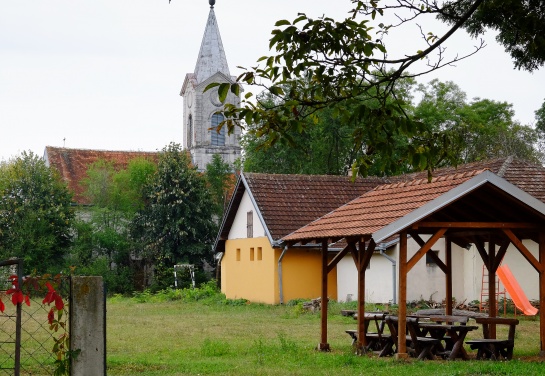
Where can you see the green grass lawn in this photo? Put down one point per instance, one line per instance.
(151, 336)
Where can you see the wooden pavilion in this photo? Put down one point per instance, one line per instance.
(475, 207)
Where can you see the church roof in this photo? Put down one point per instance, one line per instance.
(212, 57)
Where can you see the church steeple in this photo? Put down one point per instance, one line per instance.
(212, 57)
(202, 109)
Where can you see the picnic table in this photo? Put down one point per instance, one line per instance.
(454, 346)
(376, 339)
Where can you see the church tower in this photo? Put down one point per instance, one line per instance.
(200, 119)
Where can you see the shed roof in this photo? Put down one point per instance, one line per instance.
(390, 208)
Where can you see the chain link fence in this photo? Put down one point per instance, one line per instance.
(26, 337)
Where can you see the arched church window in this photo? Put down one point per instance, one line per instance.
(217, 138)
(190, 131)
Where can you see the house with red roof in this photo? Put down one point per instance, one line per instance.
(281, 204)
(254, 264)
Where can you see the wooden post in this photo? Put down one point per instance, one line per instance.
(324, 346)
(402, 311)
(542, 295)
(492, 312)
(362, 341)
(448, 259)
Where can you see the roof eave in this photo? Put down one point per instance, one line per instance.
(453, 195)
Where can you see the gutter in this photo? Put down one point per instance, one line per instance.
(393, 261)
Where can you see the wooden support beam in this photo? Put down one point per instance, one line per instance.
(425, 248)
(324, 346)
(338, 257)
(542, 295)
(402, 310)
(362, 340)
(522, 248)
(367, 254)
(448, 276)
(432, 254)
(482, 251)
(500, 255)
(492, 312)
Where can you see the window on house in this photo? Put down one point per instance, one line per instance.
(238, 254)
(250, 224)
(251, 254)
(217, 138)
(259, 254)
(429, 259)
(190, 131)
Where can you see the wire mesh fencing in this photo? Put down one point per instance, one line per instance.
(27, 335)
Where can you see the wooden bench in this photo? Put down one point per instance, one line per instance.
(423, 346)
(375, 340)
(390, 347)
(491, 348)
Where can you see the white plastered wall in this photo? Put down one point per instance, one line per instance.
(424, 281)
(238, 229)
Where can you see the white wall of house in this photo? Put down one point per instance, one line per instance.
(238, 229)
(526, 276)
(428, 280)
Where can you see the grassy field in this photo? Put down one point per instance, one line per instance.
(152, 335)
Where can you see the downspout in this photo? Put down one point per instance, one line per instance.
(393, 261)
(280, 287)
(219, 257)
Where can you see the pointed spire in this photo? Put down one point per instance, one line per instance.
(212, 55)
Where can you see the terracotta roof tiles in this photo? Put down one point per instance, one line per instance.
(379, 207)
(72, 164)
(288, 202)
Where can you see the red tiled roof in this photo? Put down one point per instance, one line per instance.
(72, 164)
(379, 207)
(527, 176)
(288, 202)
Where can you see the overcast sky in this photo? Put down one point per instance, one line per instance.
(106, 74)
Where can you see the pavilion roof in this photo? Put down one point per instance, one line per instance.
(389, 208)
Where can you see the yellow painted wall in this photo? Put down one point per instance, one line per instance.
(257, 280)
(302, 275)
(244, 278)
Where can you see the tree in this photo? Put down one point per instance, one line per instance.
(220, 179)
(103, 244)
(477, 130)
(35, 214)
(540, 118)
(344, 66)
(176, 223)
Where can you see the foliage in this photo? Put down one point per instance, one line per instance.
(344, 66)
(219, 176)
(57, 316)
(540, 118)
(520, 26)
(35, 213)
(473, 130)
(102, 243)
(175, 225)
(477, 130)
